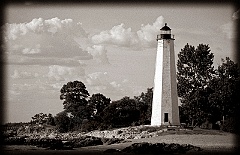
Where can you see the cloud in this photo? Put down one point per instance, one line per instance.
(118, 35)
(51, 38)
(147, 33)
(52, 27)
(60, 73)
(38, 85)
(99, 82)
(25, 75)
(63, 73)
(229, 30)
(121, 36)
(97, 79)
(99, 53)
(24, 60)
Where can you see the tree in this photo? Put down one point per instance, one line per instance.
(195, 70)
(50, 120)
(144, 104)
(226, 88)
(40, 118)
(62, 121)
(98, 103)
(75, 97)
(121, 113)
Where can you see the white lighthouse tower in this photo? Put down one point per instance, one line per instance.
(165, 102)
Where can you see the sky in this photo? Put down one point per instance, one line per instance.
(110, 48)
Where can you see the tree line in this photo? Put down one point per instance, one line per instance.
(83, 112)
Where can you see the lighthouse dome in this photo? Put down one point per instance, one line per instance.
(165, 28)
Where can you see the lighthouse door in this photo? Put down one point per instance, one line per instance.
(165, 117)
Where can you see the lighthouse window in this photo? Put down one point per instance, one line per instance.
(165, 117)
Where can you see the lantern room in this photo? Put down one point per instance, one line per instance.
(165, 33)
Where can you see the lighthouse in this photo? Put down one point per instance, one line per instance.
(165, 102)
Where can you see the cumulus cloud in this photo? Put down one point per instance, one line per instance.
(99, 53)
(54, 26)
(121, 36)
(63, 73)
(147, 33)
(51, 38)
(118, 35)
